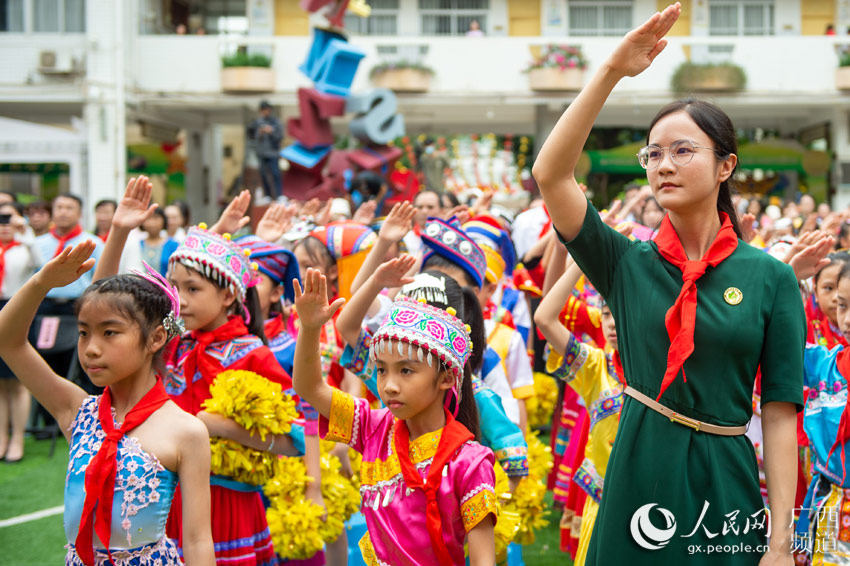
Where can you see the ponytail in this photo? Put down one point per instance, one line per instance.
(724, 204)
(474, 317)
(252, 305)
(467, 411)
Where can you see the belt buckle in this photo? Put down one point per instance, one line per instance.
(686, 421)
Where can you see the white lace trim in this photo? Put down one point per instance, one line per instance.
(87, 438)
(476, 490)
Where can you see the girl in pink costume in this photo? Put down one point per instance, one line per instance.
(428, 486)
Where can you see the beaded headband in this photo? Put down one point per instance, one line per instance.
(172, 322)
(217, 258)
(429, 333)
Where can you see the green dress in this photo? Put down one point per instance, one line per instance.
(705, 487)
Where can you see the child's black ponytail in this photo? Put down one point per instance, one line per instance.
(467, 412)
(252, 305)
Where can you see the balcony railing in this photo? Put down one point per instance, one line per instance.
(464, 66)
(489, 66)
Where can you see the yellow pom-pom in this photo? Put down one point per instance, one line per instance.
(202, 225)
(226, 236)
(296, 524)
(259, 406)
(247, 252)
(467, 327)
(541, 405)
(422, 300)
(451, 311)
(254, 266)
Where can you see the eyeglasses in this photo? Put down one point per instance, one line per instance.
(681, 153)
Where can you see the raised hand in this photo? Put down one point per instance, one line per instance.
(746, 223)
(311, 303)
(804, 241)
(398, 222)
(233, 218)
(68, 266)
(609, 217)
(365, 213)
(393, 273)
(323, 218)
(134, 207)
(643, 44)
(276, 221)
(812, 259)
(461, 212)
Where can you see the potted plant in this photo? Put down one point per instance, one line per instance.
(559, 67)
(402, 76)
(246, 72)
(708, 77)
(842, 73)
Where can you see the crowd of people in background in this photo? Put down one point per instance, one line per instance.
(521, 261)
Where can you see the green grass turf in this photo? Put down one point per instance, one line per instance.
(33, 484)
(37, 483)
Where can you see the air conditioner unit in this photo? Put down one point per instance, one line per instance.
(55, 63)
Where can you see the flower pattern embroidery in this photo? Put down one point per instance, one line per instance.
(136, 480)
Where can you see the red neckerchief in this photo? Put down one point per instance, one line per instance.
(819, 324)
(75, 231)
(618, 366)
(104, 236)
(274, 326)
(842, 361)
(198, 358)
(101, 470)
(680, 319)
(454, 436)
(3, 249)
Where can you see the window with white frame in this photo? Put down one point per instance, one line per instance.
(452, 17)
(51, 16)
(744, 17)
(600, 17)
(382, 20)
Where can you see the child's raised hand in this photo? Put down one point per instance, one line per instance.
(812, 259)
(134, 207)
(233, 218)
(393, 273)
(68, 266)
(365, 214)
(311, 303)
(275, 222)
(398, 222)
(643, 44)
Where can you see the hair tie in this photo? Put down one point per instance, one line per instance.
(172, 322)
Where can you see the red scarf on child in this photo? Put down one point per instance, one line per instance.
(3, 249)
(101, 470)
(680, 319)
(454, 436)
(199, 359)
(842, 361)
(75, 231)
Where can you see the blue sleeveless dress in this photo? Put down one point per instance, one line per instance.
(143, 493)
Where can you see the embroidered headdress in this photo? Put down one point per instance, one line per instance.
(218, 259)
(426, 332)
(277, 262)
(447, 239)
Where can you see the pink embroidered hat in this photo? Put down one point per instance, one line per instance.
(217, 258)
(429, 333)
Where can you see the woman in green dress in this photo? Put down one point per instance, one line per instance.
(698, 313)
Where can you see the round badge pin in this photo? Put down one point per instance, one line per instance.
(733, 296)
